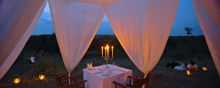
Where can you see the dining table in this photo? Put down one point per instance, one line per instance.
(97, 78)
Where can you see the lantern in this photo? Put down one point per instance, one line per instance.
(204, 69)
(16, 80)
(42, 77)
(188, 72)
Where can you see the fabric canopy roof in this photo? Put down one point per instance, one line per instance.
(95, 1)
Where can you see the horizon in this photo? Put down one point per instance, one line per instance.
(185, 17)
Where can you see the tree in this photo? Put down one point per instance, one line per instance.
(188, 30)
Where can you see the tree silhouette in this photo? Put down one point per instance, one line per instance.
(188, 30)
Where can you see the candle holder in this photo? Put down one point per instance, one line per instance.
(106, 53)
(107, 59)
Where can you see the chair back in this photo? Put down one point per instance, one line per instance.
(63, 82)
(141, 82)
(80, 84)
(58, 81)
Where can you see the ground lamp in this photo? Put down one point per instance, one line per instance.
(16, 80)
(42, 77)
(204, 68)
(188, 72)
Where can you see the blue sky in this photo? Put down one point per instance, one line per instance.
(185, 17)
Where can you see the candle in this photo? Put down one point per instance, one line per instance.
(105, 51)
(102, 51)
(112, 51)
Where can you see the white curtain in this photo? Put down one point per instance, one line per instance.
(208, 14)
(142, 27)
(96, 1)
(75, 26)
(18, 19)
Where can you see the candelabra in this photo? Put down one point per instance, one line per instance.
(107, 59)
(106, 53)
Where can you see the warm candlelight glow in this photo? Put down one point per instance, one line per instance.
(105, 51)
(16, 80)
(188, 72)
(102, 50)
(42, 77)
(204, 69)
(112, 51)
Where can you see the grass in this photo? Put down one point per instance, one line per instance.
(49, 61)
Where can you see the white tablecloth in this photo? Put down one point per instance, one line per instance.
(95, 79)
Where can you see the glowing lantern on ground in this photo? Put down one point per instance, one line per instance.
(204, 69)
(188, 72)
(42, 77)
(16, 80)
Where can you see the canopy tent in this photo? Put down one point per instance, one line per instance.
(77, 21)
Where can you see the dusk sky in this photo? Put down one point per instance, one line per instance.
(185, 17)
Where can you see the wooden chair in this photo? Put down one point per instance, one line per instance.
(63, 82)
(134, 82)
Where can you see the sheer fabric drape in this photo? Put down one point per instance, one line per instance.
(75, 26)
(96, 1)
(208, 14)
(142, 27)
(18, 19)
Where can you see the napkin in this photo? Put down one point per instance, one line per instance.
(89, 66)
